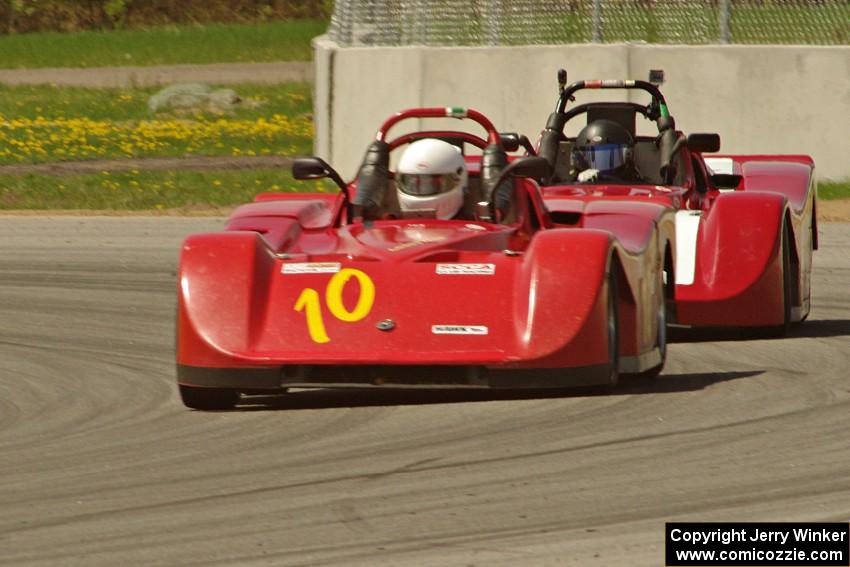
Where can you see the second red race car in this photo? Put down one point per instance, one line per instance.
(444, 270)
(746, 225)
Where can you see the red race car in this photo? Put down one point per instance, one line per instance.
(443, 270)
(745, 224)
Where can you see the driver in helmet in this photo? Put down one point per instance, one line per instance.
(431, 179)
(604, 153)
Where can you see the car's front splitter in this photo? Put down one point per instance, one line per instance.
(390, 376)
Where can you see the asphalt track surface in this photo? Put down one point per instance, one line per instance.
(100, 464)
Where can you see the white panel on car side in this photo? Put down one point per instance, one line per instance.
(723, 165)
(687, 227)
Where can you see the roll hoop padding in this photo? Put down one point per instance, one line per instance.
(667, 140)
(372, 180)
(550, 142)
(493, 161)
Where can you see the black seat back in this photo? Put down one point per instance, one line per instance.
(648, 160)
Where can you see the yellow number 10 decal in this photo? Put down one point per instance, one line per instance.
(309, 302)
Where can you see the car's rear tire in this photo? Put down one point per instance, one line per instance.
(208, 398)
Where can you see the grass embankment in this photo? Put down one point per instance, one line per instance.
(48, 124)
(834, 189)
(214, 43)
(43, 124)
(145, 190)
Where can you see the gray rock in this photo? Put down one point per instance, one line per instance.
(193, 96)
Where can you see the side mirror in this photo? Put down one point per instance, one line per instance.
(509, 140)
(316, 168)
(704, 143)
(310, 168)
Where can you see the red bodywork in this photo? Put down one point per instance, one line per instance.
(753, 246)
(297, 292)
(736, 277)
(577, 284)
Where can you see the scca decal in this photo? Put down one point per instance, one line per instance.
(459, 329)
(310, 303)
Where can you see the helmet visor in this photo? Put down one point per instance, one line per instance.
(424, 184)
(602, 157)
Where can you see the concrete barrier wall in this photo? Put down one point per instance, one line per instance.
(760, 99)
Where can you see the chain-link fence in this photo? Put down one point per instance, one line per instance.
(529, 22)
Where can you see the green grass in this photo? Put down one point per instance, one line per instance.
(215, 43)
(52, 102)
(45, 124)
(834, 189)
(798, 24)
(42, 124)
(147, 190)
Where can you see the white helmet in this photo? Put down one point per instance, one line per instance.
(431, 175)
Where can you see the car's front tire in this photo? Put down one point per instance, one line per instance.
(779, 331)
(613, 328)
(660, 344)
(667, 284)
(208, 398)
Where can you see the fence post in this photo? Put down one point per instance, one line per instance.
(597, 21)
(494, 21)
(420, 8)
(725, 17)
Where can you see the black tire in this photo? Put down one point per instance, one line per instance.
(613, 333)
(667, 284)
(808, 299)
(779, 331)
(661, 343)
(208, 398)
(787, 283)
